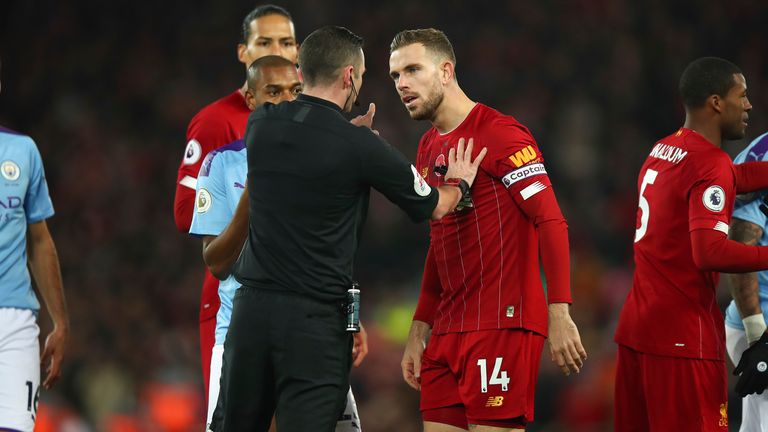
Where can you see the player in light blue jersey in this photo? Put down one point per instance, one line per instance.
(221, 217)
(25, 241)
(745, 318)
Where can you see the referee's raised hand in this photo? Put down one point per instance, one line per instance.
(460, 163)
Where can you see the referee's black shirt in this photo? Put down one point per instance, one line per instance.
(309, 177)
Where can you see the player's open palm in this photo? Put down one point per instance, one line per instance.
(460, 163)
(53, 354)
(411, 363)
(564, 340)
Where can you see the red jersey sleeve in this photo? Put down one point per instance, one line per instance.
(429, 299)
(711, 198)
(515, 159)
(204, 134)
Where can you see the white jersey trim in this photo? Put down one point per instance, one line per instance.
(189, 182)
(722, 227)
(532, 190)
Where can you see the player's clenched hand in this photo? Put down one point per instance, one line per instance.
(460, 163)
(411, 363)
(564, 340)
(753, 368)
(360, 346)
(53, 354)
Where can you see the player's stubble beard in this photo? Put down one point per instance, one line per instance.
(430, 105)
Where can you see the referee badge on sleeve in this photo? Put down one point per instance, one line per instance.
(203, 202)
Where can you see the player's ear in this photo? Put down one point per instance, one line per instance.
(347, 76)
(250, 100)
(241, 48)
(447, 72)
(716, 102)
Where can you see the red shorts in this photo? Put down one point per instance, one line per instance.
(490, 375)
(658, 393)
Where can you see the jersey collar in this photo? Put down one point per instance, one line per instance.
(318, 101)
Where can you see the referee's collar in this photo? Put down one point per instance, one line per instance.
(319, 101)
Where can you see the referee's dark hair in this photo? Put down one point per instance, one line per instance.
(264, 10)
(325, 51)
(705, 77)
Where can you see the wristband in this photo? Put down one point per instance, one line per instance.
(754, 326)
(459, 183)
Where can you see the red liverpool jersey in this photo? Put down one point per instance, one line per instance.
(487, 253)
(685, 184)
(218, 124)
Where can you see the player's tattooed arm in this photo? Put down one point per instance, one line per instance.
(744, 286)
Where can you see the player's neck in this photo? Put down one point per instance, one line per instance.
(706, 128)
(455, 107)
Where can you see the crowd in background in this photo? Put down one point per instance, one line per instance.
(107, 89)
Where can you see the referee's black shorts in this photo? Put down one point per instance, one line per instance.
(286, 355)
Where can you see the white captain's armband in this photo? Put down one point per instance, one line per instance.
(523, 173)
(722, 227)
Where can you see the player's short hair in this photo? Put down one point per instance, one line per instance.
(433, 40)
(325, 51)
(270, 61)
(260, 11)
(705, 77)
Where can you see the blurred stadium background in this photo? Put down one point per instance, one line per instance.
(107, 89)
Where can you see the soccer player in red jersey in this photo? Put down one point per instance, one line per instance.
(482, 295)
(671, 366)
(267, 30)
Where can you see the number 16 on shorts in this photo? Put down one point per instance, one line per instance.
(498, 376)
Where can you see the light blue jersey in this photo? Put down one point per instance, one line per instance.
(749, 210)
(219, 186)
(24, 200)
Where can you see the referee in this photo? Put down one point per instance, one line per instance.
(310, 172)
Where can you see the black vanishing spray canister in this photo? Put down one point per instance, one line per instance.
(353, 308)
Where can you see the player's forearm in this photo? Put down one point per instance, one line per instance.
(744, 286)
(449, 197)
(183, 205)
(419, 331)
(542, 209)
(221, 252)
(751, 176)
(712, 251)
(44, 264)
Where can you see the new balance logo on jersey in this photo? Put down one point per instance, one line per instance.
(668, 153)
(522, 157)
(495, 401)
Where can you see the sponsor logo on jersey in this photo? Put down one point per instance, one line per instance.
(723, 415)
(495, 401)
(523, 173)
(203, 201)
(10, 170)
(419, 185)
(668, 153)
(193, 152)
(440, 166)
(239, 185)
(714, 198)
(10, 202)
(524, 156)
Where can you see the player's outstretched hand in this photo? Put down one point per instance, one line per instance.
(411, 363)
(360, 346)
(53, 354)
(564, 340)
(366, 119)
(460, 163)
(753, 368)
